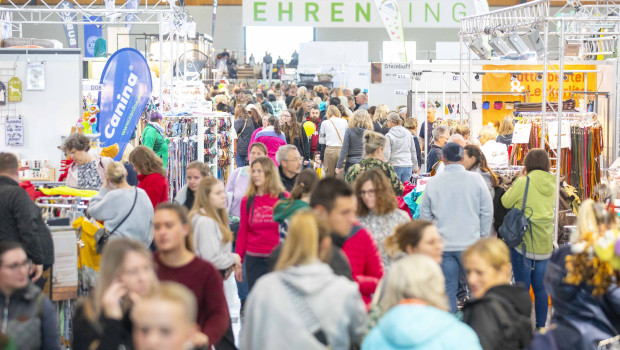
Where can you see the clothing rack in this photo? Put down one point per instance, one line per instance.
(182, 131)
(219, 139)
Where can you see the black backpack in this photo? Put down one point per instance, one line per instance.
(516, 224)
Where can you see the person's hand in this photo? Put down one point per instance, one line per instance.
(306, 162)
(338, 171)
(112, 300)
(229, 271)
(200, 340)
(36, 271)
(239, 275)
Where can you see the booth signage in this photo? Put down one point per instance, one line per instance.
(15, 90)
(126, 88)
(91, 33)
(67, 18)
(356, 13)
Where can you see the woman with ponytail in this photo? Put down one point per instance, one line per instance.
(299, 198)
(272, 136)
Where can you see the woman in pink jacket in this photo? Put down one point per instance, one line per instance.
(258, 233)
(272, 136)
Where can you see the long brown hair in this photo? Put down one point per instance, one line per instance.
(295, 103)
(292, 131)
(273, 184)
(111, 267)
(240, 112)
(481, 161)
(386, 199)
(203, 206)
(304, 184)
(273, 121)
(407, 234)
(146, 161)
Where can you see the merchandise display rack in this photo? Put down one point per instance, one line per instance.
(579, 28)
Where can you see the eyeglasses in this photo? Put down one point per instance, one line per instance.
(15, 267)
(294, 159)
(369, 192)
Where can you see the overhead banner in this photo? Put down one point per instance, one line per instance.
(130, 17)
(91, 33)
(356, 13)
(391, 17)
(126, 88)
(70, 29)
(530, 80)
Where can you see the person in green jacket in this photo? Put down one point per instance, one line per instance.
(154, 137)
(299, 198)
(540, 203)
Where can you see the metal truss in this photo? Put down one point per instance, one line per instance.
(508, 19)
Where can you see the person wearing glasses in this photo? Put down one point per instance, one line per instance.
(29, 317)
(441, 134)
(289, 161)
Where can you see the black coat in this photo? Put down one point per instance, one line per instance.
(288, 183)
(244, 129)
(302, 143)
(109, 334)
(501, 318)
(21, 221)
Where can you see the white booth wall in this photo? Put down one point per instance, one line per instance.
(49, 114)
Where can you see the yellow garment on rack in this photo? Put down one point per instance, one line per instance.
(67, 191)
(87, 254)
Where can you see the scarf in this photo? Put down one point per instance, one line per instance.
(159, 128)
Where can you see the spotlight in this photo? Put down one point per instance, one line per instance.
(565, 77)
(499, 45)
(538, 77)
(535, 42)
(517, 44)
(477, 77)
(513, 77)
(481, 48)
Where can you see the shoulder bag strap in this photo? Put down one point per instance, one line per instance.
(135, 198)
(309, 318)
(527, 186)
(338, 133)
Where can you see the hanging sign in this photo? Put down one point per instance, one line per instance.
(35, 76)
(15, 90)
(2, 94)
(126, 88)
(522, 133)
(91, 33)
(552, 131)
(130, 17)
(358, 13)
(70, 28)
(14, 131)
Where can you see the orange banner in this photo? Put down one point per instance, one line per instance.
(532, 82)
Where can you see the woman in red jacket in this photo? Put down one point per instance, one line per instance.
(151, 174)
(258, 233)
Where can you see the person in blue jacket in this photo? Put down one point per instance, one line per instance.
(416, 311)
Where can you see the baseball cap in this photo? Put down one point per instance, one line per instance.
(453, 152)
(249, 107)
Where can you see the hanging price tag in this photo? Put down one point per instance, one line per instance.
(552, 128)
(522, 133)
(402, 92)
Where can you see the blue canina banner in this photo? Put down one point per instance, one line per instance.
(130, 17)
(126, 88)
(70, 28)
(91, 33)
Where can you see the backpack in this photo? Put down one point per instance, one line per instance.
(516, 223)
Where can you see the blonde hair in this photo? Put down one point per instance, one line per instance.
(200, 166)
(332, 111)
(415, 276)
(221, 99)
(111, 267)
(301, 246)
(492, 250)
(203, 206)
(146, 161)
(116, 173)
(381, 113)
(506, 127)
(302, 92)
(361, 119)
(372, 142)
(487, 133)
(178, 294)
(273, 184)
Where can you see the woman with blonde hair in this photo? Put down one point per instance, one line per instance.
(151, 174)
(258, 232)
(374, 157)
(194, 172)
(506, 129)
(212, 235)
(353, 145)
(499, 312)
(303, 290)
(126, 211)
(380, 118)
(126, 274)
(496, 153)
(416, 313)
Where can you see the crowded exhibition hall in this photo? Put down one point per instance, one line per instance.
(309, 174)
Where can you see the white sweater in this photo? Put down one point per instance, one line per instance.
(208, 243)
(495, 153)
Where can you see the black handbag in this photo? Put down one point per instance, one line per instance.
(102, 236)
(516, 223)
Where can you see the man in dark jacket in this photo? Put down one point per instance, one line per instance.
(441, 134)
(20, 218)
(260, 98)
(290, 165)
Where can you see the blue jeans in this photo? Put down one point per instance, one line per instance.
(403, 173)
(240, 161)
(255, 268)
(242, 287)
(452, 267)
(523, 272)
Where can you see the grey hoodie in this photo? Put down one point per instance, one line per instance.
(273, 320)
(352, 147)
(400, 149)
